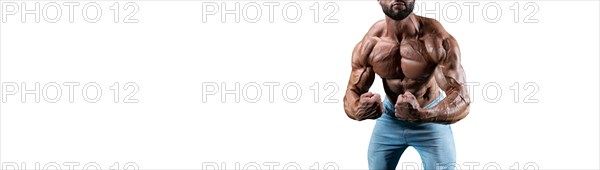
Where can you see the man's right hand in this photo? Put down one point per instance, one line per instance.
(369, 106)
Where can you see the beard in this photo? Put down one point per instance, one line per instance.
(398, 14)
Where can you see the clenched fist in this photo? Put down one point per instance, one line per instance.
(369, 106)
(407, 108)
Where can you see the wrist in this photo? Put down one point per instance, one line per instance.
(422, 111)
(425, 114)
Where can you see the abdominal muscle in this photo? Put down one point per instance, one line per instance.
(425, 92)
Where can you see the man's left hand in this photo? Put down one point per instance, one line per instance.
(407, 108)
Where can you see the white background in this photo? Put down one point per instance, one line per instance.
(170, 53)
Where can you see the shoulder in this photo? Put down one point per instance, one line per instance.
(377, 29)
(432, 30)
(432, 27)
(373, 35)
(365, 46)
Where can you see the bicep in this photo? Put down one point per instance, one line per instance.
(361, 79)
(362, 74)
(450, 70)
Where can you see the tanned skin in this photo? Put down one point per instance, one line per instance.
(415, 57)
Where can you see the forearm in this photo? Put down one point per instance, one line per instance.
(452, 109)
(351, 100)
(361, 107)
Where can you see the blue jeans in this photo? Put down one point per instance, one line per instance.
(433, 141)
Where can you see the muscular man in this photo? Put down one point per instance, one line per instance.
(419, 63)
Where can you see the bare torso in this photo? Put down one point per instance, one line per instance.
(415, 57)
(407, 65)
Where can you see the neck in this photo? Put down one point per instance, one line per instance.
(401, 29)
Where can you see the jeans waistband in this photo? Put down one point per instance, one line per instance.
(390, 109)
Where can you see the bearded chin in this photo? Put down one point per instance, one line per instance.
(400, 15)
